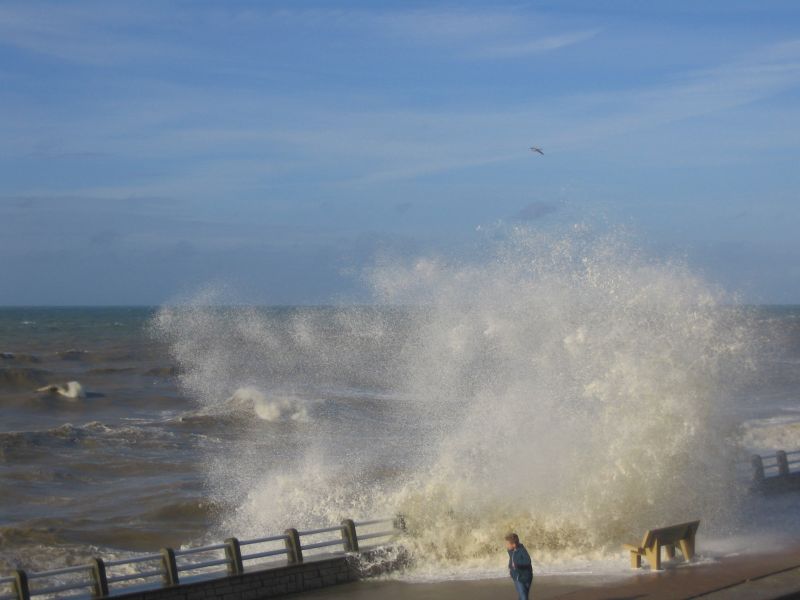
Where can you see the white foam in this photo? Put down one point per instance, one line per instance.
(72, 390)
(765, 436)
(270, 408)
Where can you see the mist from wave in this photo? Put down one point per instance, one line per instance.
(565, 386)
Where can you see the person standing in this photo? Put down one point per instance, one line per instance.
(519, 565)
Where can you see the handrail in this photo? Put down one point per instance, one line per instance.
(132, 560)
(203, 565)
(132, 576)
(60, 588)
(54, 572)
(264, 540)
(265, 554)
(169, 569)
(199, 549)
(775, 467)
(321, 530)
(322, 544)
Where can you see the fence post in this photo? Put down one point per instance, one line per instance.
(233, 552)
(783, 463)
(758, 468)
(170, 567)
(99, 578)
(349, 536)
(294, 552)
(21, 583)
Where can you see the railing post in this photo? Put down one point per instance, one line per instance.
(21, 583)
(400, 521)
(170, 567)
(294, 552)
(99, 578)
(349, 536)
(783, 463)
(233, 552)
(758, 468)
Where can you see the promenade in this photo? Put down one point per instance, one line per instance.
(746, 577)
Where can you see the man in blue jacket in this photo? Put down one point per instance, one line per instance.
(519, 565)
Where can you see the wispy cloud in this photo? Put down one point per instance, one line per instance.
(330, 145)
(535, 46)
(252, 137)
(486, 33)
(89, 33)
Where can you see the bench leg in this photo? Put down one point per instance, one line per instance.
(636, 560)
(687, 548)
(670, 549)
(653, 554)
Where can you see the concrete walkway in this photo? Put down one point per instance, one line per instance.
(754, 577)
(779, 586)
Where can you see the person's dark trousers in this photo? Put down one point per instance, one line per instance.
(523, 589)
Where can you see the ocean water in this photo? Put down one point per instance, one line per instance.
(570, 390)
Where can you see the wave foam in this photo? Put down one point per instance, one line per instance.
(72, 390)
(269, 408)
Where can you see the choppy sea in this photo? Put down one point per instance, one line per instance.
(194, 423)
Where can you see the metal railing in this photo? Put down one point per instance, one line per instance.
(780, 464)
(100, 578)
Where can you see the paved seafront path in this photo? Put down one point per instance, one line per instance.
(745, 577)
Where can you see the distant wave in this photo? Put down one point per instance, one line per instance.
(22, 377)
(16, 444)
(20, 358)
(72, 354)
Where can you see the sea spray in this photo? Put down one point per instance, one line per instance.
(565, 387)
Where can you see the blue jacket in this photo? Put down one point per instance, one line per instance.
(519, 564)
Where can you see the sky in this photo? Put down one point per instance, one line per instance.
(148, 149)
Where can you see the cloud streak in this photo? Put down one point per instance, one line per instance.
(536, 46)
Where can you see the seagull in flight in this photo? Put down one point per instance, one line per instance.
(535, 149)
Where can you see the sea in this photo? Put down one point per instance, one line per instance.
(578, 399)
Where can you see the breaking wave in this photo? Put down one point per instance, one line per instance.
(565, 387)
(268, 408)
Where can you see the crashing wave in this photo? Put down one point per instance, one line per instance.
(565, 387)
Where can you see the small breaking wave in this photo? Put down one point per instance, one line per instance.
(268, 408)
(72, 354)
(247, 401)
(72, 390)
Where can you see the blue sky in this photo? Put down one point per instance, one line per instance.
(150, 148)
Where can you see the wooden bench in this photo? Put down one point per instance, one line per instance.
(667, 537)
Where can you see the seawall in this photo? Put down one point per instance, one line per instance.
(273, 582)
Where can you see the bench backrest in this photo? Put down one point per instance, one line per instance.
(671, 534)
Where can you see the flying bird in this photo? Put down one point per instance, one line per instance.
(535, 149)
